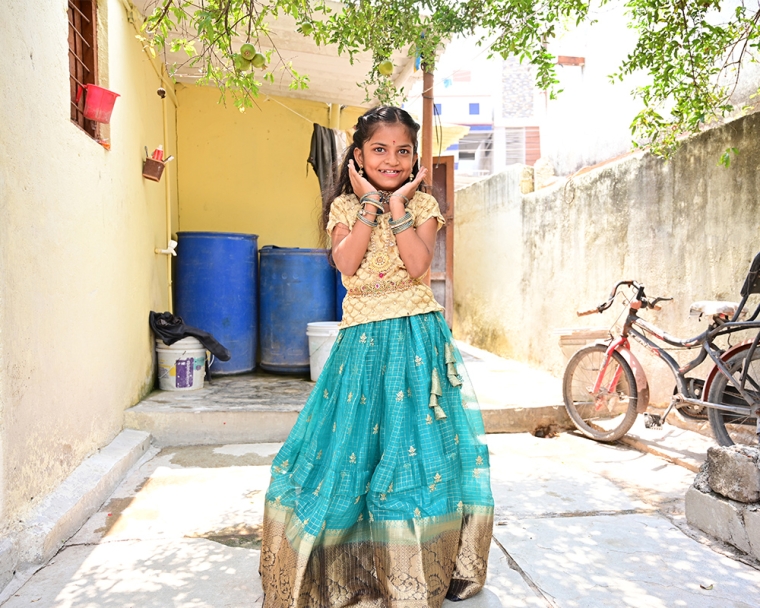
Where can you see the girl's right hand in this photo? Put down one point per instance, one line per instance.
(359, 183)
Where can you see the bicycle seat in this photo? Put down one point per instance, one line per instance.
(714, 308)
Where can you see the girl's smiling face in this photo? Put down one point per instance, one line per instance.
(387, 157)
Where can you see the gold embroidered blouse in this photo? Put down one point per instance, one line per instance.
(381, 288)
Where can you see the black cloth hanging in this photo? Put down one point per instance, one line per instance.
(322, 156)
(171, 328)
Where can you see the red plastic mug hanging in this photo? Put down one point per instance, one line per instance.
(98, 102)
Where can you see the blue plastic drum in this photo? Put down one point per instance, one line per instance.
(297, 288)
(340, 293)
(215, 289)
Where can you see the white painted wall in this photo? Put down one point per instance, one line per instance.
(78, 274)
(688, 228)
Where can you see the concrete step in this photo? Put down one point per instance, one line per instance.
(62, 512)
(261, 407)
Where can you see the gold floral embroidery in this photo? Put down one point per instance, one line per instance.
(400, 396)
(366, 488)
(352, 458)
(363, 339)
(363, 400)
(376, 429)
(383, 496)
(340, 369)
(409, 392)
(412, 451)
(371, 517)
(429, 419)
(390, 488)
(456, 439)
(350, 397)
(358, 498)
(382, 370)
(277, 500)
(371, 341)
(361, 517)
(319, 455)
(417, 512)
(432, 487)
(460, 507)
(379, 288)
(319, 487)
(418, 360)
(335, 426)
(479, 460)
(308, 419)
(437, 478)
(476, 473)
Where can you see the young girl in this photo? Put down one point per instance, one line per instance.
(380, 496)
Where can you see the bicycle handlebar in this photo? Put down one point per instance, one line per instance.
(640, 297)
(583, 313)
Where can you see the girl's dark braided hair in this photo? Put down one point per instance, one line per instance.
(365, 127)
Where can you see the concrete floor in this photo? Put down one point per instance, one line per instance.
(577, 524)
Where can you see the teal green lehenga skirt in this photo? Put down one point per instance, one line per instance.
(381, 495)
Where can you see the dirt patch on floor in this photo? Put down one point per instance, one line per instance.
(204, 456)
(245, 536)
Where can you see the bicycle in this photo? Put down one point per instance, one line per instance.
(604, 386)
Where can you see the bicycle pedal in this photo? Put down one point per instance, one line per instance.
(652, 421)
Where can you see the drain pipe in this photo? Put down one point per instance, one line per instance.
(168, 193)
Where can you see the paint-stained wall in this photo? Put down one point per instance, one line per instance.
(686, 229)
(247, 171)
(78, 272)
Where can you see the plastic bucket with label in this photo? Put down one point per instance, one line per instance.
(181, 366)
(322, 336)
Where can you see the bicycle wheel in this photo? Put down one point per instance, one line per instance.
(730, 428)
(607, 414)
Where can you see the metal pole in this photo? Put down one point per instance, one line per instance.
(427, 134)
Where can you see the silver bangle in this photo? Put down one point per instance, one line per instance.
(401, 228)
(402, 220)
(365, 221)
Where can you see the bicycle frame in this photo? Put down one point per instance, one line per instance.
(704, 341)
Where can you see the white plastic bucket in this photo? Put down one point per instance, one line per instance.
(322, 335)
(181, 366)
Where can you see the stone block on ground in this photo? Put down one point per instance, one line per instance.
(733, 472)
(717, 516)
(752, 526)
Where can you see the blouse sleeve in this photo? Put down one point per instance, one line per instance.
(339, 214)
(425, 207)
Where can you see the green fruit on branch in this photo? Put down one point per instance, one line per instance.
(241, 63)
(259, 60)
(385, 67)
(248, 51)
(307, 29)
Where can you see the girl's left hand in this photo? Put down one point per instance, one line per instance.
(409, 188)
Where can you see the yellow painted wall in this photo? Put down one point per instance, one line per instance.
(247, 172)
(78, 272)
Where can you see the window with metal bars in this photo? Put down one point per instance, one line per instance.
(83, 57)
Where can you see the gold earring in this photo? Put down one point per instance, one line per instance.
(361, 171)
(411, 177)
